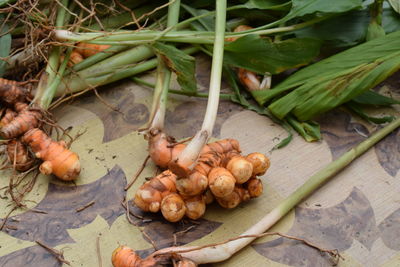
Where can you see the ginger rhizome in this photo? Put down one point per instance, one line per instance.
(57, 158)
(220, 173)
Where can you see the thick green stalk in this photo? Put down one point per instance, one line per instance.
(43, 95)
(181, 92)
(88, 78)
(194, 37)
(223, 252)
(190, 154)
(159, 107)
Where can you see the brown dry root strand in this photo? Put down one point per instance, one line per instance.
(255, 187)
(149, 196)
(240, 168)
(11, 92)
(260, 163)
(195, 207)
(9, 115)
(57, 159)
(124, 256)
(27, 119)
(238, 195)
(221, 182)
(18, 152)
(173, 207)
(88, 50)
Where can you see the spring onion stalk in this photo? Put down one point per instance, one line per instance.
(194, 37)
(163, 80)
(46, 90)
(112, 69)
(181, 92)
(223, 252)
(189, 155)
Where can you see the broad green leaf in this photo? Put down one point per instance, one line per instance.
(322, 94)
(373, 98)
(206, 23)
(262, 55)
(341, 31)
(267, 4)
(395, 4)
(334, 66)
(305, 7)
(5, 46)
(390, 20)
(181, 63)
(360, 112)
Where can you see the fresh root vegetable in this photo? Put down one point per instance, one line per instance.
(232, 200)
(195, 207)
(8, 116)
(221, 182)
(27, 119)
(260, 163)
(18, 155)
(255, 187)
(173, 207)
(222, 251)
(151, 193)
(88, 50)
(240, 168)
(11, 92)
(58, 159)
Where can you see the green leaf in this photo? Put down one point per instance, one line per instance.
(334, 66)
(262, 55)
(5, 47)
(267, 4)
(373, 98)
(309, 130)
(305, 7)
(206, 23)
(327, 92)
(344, 30)
(395, 4)
(390, 20)
(181, 63)
(360, 112)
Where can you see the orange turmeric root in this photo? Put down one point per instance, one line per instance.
(221, 182)
(149, 196)
(255, 187)
(9, 115)
(11, 92)
(124, 256)
(88, 50)
(18, 155)
(260, 163)
(195, 207)
(238, 195)
(57, 158)
(240, 168)
(173, 207)
(27, 119)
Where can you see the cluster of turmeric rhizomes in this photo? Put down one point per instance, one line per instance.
(221, 173)
(20, 128)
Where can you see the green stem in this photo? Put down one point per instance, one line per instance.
(89, 78)
(190, 154)
(194, 37)
(181, 92)
(43, 94)
(163, 80)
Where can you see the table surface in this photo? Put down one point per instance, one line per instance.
(357, 212)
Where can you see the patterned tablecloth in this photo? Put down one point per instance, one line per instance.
(358, 212)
